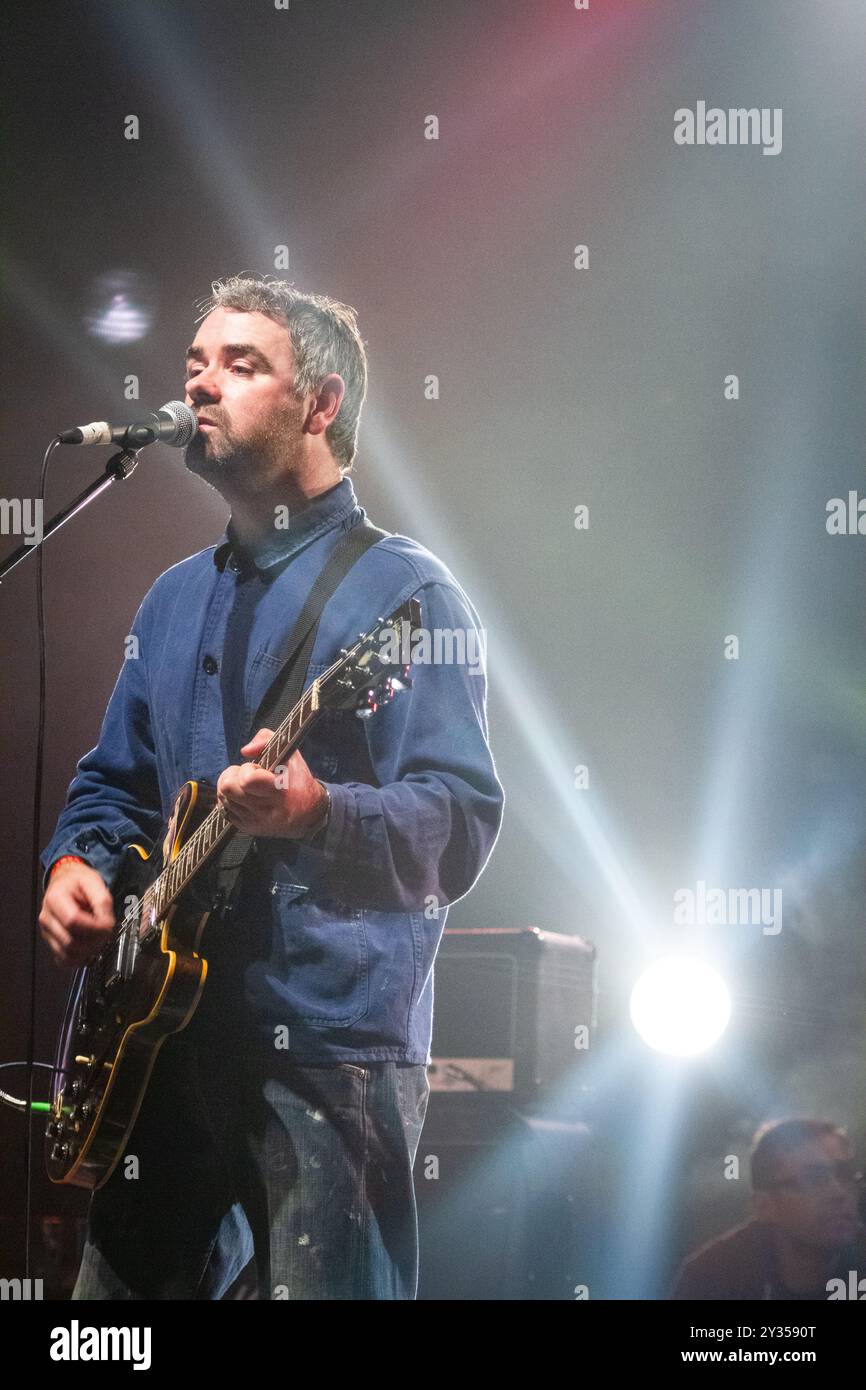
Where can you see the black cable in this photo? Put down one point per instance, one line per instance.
(36, 880)
(18, 1102)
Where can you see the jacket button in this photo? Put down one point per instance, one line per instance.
(210, 665)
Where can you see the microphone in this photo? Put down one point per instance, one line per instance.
(175, 424)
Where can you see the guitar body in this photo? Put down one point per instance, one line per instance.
(120, 1010)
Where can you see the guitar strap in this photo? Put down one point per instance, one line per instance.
(287, 686)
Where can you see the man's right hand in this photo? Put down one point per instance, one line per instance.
(77, 914)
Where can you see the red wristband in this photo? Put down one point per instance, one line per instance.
(65, 858)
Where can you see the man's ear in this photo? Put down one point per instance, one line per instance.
(325, 405)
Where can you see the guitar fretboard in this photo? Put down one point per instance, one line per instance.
(216, 829)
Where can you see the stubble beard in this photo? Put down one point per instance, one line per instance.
(250, 464)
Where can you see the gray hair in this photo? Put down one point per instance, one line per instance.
(324, 337)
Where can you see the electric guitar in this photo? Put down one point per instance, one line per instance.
(147, 981)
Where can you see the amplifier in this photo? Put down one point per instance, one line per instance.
(509, 1213)
(514, 1009)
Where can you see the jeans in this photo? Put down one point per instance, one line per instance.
(306, 1169)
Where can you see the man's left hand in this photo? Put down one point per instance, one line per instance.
(285, 803)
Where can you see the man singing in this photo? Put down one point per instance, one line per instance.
(282, 1124)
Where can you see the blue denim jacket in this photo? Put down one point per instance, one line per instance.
(333, 940)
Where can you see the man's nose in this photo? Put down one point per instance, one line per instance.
(202, 387)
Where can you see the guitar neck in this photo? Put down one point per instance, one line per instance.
(216, 830)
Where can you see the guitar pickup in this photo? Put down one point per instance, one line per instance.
(124, 956)
(128, 951)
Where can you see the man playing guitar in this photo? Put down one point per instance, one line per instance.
(281, 1122)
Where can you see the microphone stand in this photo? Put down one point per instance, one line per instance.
(117, 470)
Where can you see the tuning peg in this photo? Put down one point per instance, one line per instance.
(370, 707)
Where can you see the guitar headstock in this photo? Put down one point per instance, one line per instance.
(376, 668)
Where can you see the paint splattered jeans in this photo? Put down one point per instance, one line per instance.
(306, 1169)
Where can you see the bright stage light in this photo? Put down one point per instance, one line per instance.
(120, 307)
(680, 1006)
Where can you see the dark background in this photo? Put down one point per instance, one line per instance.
(305, 127)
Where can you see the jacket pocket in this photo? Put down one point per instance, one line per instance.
(321, 956)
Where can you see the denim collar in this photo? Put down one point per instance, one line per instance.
(327, 510)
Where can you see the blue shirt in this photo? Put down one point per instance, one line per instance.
(333, 941)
